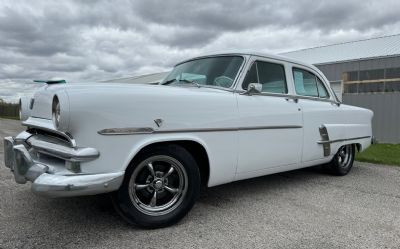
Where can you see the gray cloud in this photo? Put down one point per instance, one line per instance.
(95, 40)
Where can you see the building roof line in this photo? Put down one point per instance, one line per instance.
(356, 59)
(341, 43)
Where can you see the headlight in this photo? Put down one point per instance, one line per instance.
(24, 110)
(56, 109)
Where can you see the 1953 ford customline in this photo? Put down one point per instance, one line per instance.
(214, 119)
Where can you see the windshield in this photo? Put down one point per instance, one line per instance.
(213, 71)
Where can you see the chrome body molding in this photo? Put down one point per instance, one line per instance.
(149, 130)
(342, 140)
(126, 131)
(291, 96)
(326, 141)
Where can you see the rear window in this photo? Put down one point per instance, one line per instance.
(307, 84)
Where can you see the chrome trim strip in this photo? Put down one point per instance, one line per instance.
(149, 130)
(341, 140)
(126, 131)
(290, 96)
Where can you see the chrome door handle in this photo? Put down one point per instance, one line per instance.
(295, 100)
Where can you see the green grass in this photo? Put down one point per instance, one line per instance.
(9, 117)
(381, 153)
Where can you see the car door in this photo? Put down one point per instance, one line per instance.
(318, 108)
(270, 123)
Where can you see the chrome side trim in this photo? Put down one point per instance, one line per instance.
(342, 140)
(290, 96)
(149, 130)
(126, 131)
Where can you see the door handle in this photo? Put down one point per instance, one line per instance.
(295, 100)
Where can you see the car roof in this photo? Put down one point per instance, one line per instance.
(252, 53)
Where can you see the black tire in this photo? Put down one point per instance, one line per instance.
(182, 186)
(342, 162)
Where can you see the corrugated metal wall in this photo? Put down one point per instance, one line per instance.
(386, 108)
(334, 71)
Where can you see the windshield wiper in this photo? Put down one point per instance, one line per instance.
(182, 80)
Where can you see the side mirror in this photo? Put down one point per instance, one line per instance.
(253, 88)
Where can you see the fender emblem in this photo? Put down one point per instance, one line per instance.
(158, 122)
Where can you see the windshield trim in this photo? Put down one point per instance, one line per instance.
(232, 86)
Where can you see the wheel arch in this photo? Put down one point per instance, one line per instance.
(195, 147)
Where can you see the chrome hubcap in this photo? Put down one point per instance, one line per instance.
(158, 185)
(344, 155)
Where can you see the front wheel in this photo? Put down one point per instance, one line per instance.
(161, 185)
(342, 162)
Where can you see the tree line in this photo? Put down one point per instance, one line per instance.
(9, 110)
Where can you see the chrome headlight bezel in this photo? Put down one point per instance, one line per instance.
(56, 112)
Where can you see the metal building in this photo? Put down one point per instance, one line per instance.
(364, 73)
(363, 66)
(153, 78)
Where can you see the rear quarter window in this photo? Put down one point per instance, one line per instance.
(307, 84)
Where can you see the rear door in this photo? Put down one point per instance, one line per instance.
(318, 109)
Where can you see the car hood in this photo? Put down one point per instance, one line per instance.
(43, 98)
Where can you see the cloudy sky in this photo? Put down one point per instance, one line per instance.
(98, 40)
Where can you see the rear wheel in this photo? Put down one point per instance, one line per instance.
(342, 162)
(161, 185)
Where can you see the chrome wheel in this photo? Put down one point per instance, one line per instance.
(344, 156)
(158, 185)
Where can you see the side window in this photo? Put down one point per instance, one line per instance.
(307, 84)
(270, 75)
(323, 93)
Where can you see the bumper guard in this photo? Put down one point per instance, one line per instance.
(25, 168)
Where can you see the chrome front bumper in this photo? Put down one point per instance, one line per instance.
(51, 165)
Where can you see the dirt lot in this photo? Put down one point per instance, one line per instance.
(298, 209)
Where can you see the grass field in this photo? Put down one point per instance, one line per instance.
(381, 153)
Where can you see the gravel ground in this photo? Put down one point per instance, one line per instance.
(298, 209)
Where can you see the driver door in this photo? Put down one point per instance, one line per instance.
(271, 133)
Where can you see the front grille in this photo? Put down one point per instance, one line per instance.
(65, 138)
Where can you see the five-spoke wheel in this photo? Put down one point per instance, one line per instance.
(342, 162)
(158, 185)
(161, 185)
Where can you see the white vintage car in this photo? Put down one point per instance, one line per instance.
(213, 120)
